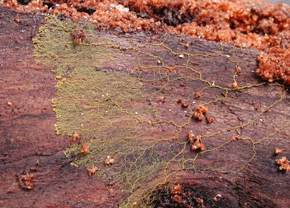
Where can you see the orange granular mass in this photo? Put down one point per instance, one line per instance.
(92, 170)
(284, 164)
(85, 149)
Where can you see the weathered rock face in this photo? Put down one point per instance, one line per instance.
(166, 110)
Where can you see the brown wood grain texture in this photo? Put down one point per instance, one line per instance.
(28, 135)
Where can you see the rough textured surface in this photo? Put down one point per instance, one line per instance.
(27, 132)
(243, 171)
(243, 23)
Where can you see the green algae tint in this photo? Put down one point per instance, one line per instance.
(135, 117)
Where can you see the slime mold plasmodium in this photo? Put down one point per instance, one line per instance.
(57, 44)
(137, 118)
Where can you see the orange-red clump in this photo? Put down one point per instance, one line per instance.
(284, 164)
(209, 119)
(185, 104)
(233, 138)
(191, 136)
(78, 34)
(199, 202)
(278, 151)
(75, 137)
(180, 196)
(176, 189)
(197, 95)
(85, 149)
(199, 111)
(109, 160)
(196, 141)
(217, 197)
(25, 180)
(235, 85)
(92, 170)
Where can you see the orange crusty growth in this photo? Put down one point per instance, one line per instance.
(275, 65)
(209, 119)
(235, 85)
(191, 136)
(85, 149)
(92, 170)
(176, 189)
(75, 137)
(278, 151)
(109, 160)
(199, 111)
(78, 34)
(196, 141)
(284, 164)
(180, 196)
(185, 104)
(25, 180)
(242, 23)
(197, 95)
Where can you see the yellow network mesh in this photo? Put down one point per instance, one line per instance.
(127, 115)
(54, 47)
